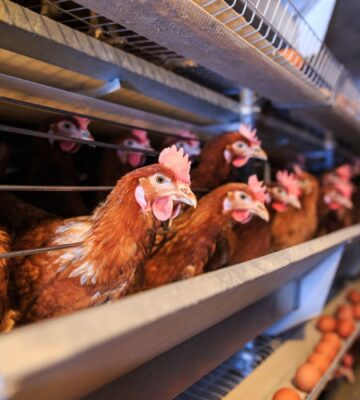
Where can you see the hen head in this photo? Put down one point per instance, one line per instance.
(137, 140)
(245, 201)
(189, 142)
(307, 182)
(338, 195)
(285, 192)
(72, 127)
(164, 186)
(242, 146)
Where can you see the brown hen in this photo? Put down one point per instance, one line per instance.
(53, 163)
(113, 243)
(116, 163)
(335, 202)
(198, 232)
(256, 235)
(296, 226)
(6, 315)
(219, 155)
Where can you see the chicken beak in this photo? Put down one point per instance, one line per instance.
(185, 195)
(259, 153)
(260, 210)
(86, 135)
(295, 202)
(345, 202)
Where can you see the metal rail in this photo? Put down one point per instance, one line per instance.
(55, 188)
(23, 253)
(330, 372)
(284, 29)
(90, 143)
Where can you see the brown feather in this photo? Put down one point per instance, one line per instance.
(296, 226)
(197, 234)
(332, 220)
(213, 170)
(4, 282)
(49, 165)
(115, 242)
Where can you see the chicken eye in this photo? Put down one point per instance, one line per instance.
(243, 196)
(129, 142)
(180, 144)
(160, 179)
(67, 125)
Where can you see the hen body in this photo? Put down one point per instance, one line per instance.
(5, 319)
(114, 242)
(212, 169)
(196, 235)
(332, 220)
(294, 226)
(51, 166)
(249, 241)
(18, 216)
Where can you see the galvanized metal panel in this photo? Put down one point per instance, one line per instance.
(73, 355)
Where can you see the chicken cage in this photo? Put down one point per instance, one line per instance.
(93, 91)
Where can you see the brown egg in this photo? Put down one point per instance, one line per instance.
(327, 349)
(333, 338)
(345, 311)
(319, 360)
(326, 323)
(353, 296)
(306, 377)
(345, 327)
(286, 394)
(356, 310)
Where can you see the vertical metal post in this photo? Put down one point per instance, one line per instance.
(247, 108)
(329, 147)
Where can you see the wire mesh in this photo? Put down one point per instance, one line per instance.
(279, 30)
(224, 378)
(85, 20)
(91, 23)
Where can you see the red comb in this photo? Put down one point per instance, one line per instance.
(176, 161)
(298, 170)
(344, 172)
(249, 134)
(289, 182)
(345, 188)
(141, 135)
(83, 122)
(258, 188)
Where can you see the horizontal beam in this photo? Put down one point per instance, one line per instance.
(171, 373)
(87, 349)
(333, 119)
(189, 30)
(28, 33)
(34, 94)
(184, 27)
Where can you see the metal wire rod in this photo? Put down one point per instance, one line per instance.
(66, 113)
(55, 188)
(91, 143)
(40, 188)
(30, 132)
(23, 253)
